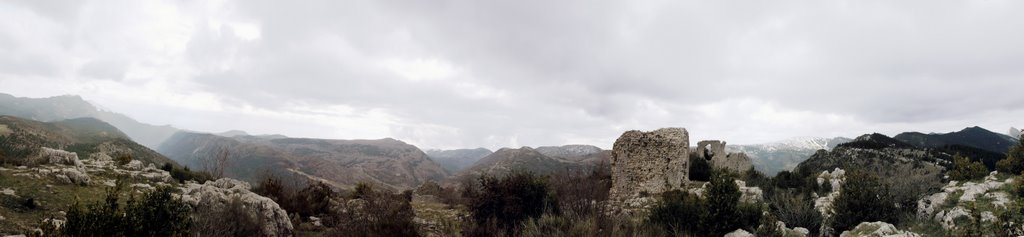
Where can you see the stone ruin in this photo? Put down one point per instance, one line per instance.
(649, 163)
(714, 152)
(645, 164)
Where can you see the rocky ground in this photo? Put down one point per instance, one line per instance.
(31, 195)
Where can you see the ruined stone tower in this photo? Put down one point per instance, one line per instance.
(649, 163)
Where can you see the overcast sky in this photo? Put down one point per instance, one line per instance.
(454, 74)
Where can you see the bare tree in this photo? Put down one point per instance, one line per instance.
(217, 165)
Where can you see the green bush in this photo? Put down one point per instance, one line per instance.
(156, 213)
(678, 211)
(863, 199)
(965, 169)
(719, 213)
(1014, 162)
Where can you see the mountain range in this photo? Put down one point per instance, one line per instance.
(386, 162)
(88, 137)
(72, 106)
(774, 157)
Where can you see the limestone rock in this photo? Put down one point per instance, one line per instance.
(649, 163)
(134, 165)
(739, 233)
(835, 179)
(214, 195)
(877, 229)
(59, 157)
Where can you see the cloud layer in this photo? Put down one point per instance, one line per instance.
(454, 73)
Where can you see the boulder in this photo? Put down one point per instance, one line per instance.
(214, 195)
(59, 157)
(739, 233)
(877, 229)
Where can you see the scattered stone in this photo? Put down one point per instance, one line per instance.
(9, 192)
(879, 229)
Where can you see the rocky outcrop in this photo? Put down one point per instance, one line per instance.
(649, 163)
(59, 157)
(877, 229)
(834, 179)
(714, 152)
(215, 195)
(988, 192)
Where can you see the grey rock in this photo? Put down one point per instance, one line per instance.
(214, 195)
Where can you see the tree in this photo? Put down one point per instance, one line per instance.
(217, 165)
(1014, 162)
(965, 169)
(509, 200)
(862, 198)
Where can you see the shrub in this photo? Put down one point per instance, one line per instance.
(375, 213)
(768, 228)
(508, 201)
(314, 200)
(965, 169)
(185, 174)
(863, 199)
(795, 209)
(678, 211)
(720, 213)
(234, 219)
(700, 169)
(1014, 162)
(582, 194)
(156, 213)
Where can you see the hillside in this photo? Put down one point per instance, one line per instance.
(69, 107)
(579, 153)
(89, 137)
(458, 159)
(774, 157)
(973, 136)
(341, 163)
(506, 160)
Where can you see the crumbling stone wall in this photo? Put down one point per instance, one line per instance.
(649, 163)
(714, 152)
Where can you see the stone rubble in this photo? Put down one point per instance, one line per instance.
(877, 229)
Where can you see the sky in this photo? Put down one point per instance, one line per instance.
(467, 73)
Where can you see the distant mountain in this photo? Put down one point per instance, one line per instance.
(522, 159)
(88, 137)
(578, 153)
(775, 157)
(456, 160)
(1014, 132)
(972, 136)
(69, 107)
(341, 163)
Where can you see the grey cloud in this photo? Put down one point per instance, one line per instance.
(543, 72)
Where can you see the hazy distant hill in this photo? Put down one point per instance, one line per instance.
(580, 153)
(69, 107)
(458, 159)
(972, 136)
(522, 159)
(342, 163)
(775, 157)
(20, 138)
